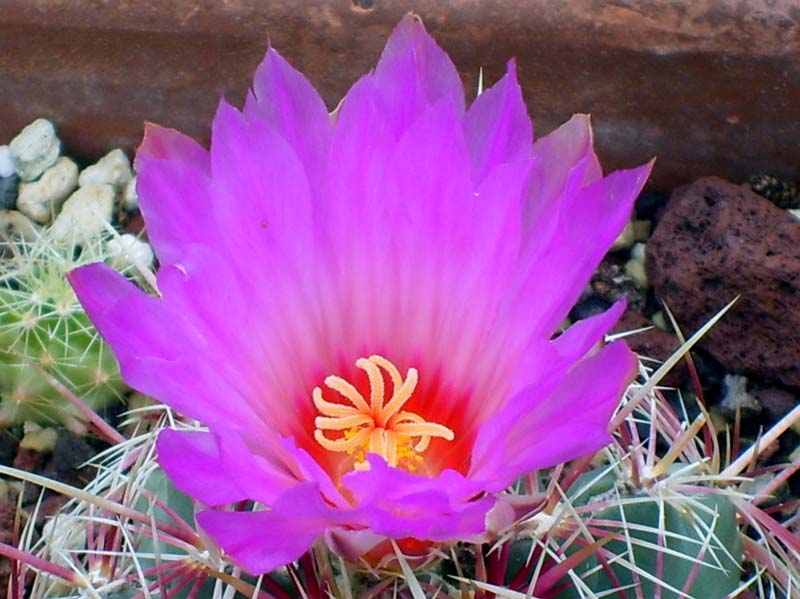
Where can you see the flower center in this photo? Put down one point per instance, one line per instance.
(380, 426)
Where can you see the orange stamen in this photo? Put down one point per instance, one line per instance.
(377, 427)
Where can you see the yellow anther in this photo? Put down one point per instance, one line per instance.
(376, 426)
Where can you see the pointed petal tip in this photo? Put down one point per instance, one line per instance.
(165, 143)
(511, 68)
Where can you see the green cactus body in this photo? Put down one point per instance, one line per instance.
(42, 324)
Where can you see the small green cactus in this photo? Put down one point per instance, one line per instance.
(43, 326)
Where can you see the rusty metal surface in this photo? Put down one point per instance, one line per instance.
(711, 86)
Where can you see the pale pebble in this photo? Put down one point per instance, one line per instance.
(85, 214)
(112, 169)
(15, 225)
(42, 199)
(736, 397)
(128, 250)
(6, 163)
(38, 439)
(35, 149)
(660, 321)
(625, 238)
(130, 199)
(795, 212)
(635, 270)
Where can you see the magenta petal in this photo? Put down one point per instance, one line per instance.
(587, 225)
(414, 73)
(176, 201)
(192, 461)
(290, 104)
(263, 205)
(262, 541)
(544, 364)
(149, 336)
(563, 163)
(537, 431)
(162, 143)
(400, 504)
(172, 185)
(497, 126)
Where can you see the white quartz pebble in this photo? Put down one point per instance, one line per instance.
(112, 169)
(131, 199)
(625, 238)
(85, 214)
(35, 149)
(15, 225)
(6, 163)
(128, 250)
(634, 267)
(42, 199)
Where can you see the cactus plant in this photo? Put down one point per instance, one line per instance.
(44, 327)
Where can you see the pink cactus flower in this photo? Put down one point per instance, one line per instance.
(361, 306)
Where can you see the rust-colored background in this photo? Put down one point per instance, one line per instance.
(710, 87)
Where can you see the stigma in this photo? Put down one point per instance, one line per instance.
(375, 425)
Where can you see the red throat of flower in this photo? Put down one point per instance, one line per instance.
(376, 425)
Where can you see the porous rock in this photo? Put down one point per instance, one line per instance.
(112, 169)
(35, 149)
(84, 214)
(716, 241)
(41, 199)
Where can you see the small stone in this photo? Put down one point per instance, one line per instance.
(737, 398)
(16, 226)
(795, 212)
(635, 270)
(9, 188)
(128, 250)
(625, 239)
(660, 321)
(6, 163)
(84, 214)
(113, 169)
(70, 453)
(717, 241)
(611, 284)
(130, 199)
(641, 230)
(38, 439)
(35, 149)
(42, 199)
(781, 192)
